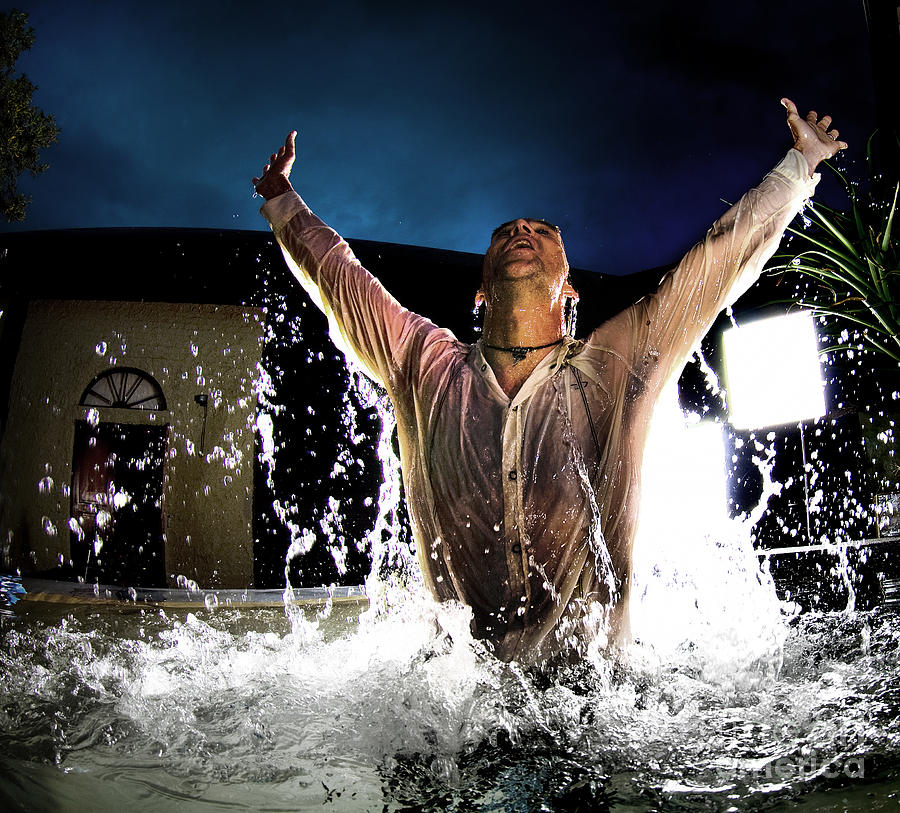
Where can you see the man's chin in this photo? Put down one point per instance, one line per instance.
(518, 267)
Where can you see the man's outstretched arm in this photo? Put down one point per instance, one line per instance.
(365, 322)
(717, 270)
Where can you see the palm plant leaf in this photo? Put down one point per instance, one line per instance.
(851, 255)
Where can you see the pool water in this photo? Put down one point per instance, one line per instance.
(729, 700)
(141, 708)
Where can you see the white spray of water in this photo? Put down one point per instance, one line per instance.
(699, 591)
(395, 577)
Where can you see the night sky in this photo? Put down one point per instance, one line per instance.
(430, 124)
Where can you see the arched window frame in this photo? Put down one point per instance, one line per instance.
(124, 388)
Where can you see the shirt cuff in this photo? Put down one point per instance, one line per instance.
(281, 209)
(795, 169)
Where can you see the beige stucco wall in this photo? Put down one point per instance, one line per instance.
(188, 349)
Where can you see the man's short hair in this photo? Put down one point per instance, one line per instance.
(530, 220)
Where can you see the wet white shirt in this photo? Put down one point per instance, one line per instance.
(525, 509)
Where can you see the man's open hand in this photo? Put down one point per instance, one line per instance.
(276, 174)
(812, 136)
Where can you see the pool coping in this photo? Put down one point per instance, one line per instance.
(62, 592)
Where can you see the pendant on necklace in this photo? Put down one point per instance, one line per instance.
(519, 354)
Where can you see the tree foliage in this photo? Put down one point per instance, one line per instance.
(24, 129)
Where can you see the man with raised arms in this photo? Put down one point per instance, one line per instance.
(521, 454)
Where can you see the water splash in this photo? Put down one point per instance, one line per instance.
(409, 710)
(700, 593)
(395, 570)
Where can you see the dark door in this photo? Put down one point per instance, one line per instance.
(117, 479)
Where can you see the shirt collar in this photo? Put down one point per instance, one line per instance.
(545, 369)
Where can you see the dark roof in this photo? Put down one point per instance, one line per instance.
(159, 265)
(219, 266)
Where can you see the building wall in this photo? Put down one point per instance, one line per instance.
(189, 350)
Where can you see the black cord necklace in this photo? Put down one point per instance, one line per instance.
(519, 353)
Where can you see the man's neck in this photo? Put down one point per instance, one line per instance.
(522, 321)
(517, 336)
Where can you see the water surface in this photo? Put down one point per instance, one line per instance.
(128, 706)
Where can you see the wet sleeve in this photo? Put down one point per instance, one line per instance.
(666, 327)
(365, 322)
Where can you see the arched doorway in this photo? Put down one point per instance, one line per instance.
(117, 484)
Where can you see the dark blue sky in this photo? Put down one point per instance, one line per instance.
(429, 124)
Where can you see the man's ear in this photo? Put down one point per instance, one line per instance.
(479, 299)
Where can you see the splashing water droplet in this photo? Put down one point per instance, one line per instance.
(76, 529)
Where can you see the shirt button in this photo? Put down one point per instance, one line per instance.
(513, 475)
(516, 548)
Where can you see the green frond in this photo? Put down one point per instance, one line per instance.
(886, 240)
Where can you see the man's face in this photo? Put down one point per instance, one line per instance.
(525, 248)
